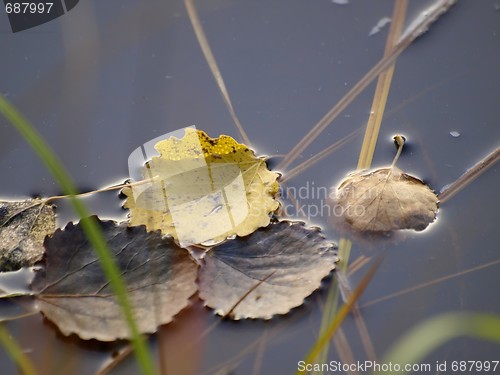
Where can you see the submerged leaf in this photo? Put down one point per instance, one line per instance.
(23, 227)
(266, 273)
(73, 292)
(204, 189)
(384, 200)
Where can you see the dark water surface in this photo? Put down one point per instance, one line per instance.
(108, 76)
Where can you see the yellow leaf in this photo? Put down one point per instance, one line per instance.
(204, 190)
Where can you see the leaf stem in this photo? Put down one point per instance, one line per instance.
(399, 140)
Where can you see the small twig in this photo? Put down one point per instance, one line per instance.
(109, 188)
(246, 294)
(319, 156)
(429, 283)
(470, 175)
(357, 264)
(345, 290)
(212, 63)
(344, 351)
(382, 89)
(325, 337)
(259, 355)
(424, 22)
(20, 316)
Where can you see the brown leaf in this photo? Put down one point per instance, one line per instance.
(384, 200)
(73, 292)
(23, 227)
(266, 273)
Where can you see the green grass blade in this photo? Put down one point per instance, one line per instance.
(325, 337)
(92, 231)
(16, 353)
(427, 336)
(332, 301)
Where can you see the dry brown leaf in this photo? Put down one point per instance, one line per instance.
(73, 292)
(386, 199)
(266, 273)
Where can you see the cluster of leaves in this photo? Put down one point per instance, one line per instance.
(265, 268)
(266, 273)
(199, 190)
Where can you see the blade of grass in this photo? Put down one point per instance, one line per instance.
(20, 316)
(212, 63)
(382, 89)
(427, 336)
(340, 342)
(325, 337)
(283, 332)
(344, 253)
(395, 45)
(319, 156)
(345, 290)
(368, 148)
(357, 264)
(344, 351)
(91, 229)
(259, 355)
(469, 176)
(430, 283)
(15, 352)
(328, 308)
(103, 190)
(331, 305)
(417, 28)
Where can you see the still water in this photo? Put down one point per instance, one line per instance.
(109, 76)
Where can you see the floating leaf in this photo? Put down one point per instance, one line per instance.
(204, 189)
(386, 199)
(74, 294)
(23, 227)
(266, 273)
